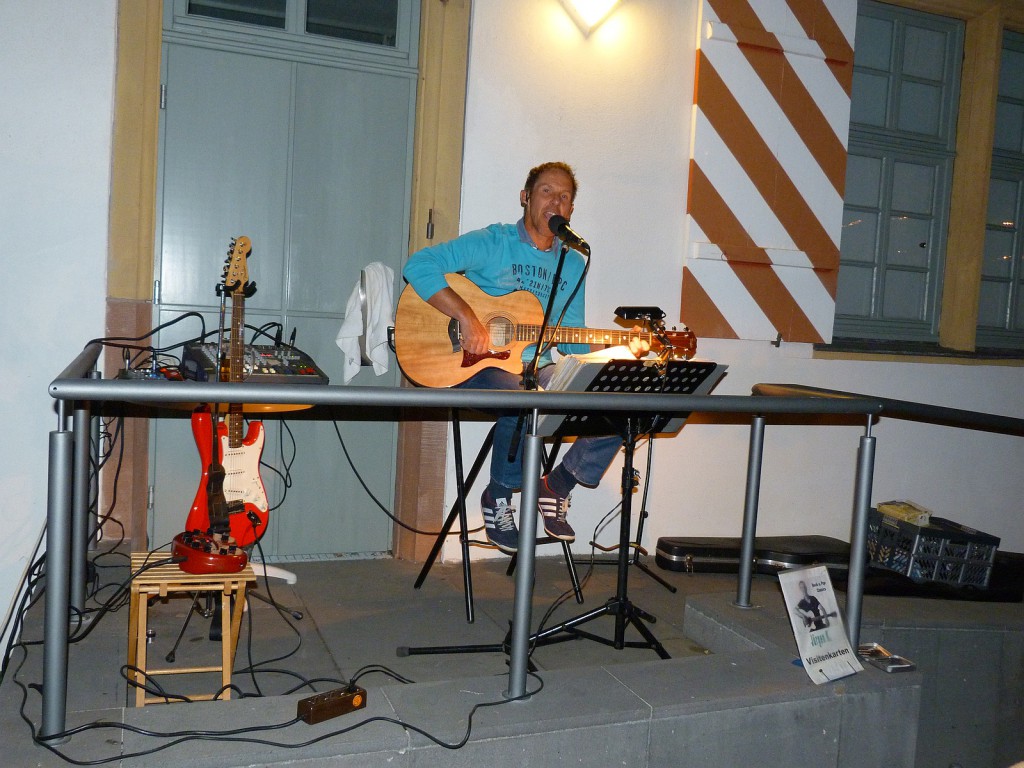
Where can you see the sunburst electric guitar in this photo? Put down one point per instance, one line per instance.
(231, 498)
(428, 343)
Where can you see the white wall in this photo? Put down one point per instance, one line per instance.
(617, 107)
(56, 91)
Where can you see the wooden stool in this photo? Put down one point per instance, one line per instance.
(168, 579)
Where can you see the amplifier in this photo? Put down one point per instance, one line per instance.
(263, 363)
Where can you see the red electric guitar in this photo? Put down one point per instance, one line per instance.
(230, 510)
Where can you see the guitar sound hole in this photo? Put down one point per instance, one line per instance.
(502, 330)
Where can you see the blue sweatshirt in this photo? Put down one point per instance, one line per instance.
(500, 259)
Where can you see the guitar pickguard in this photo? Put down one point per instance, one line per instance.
(242, 480)
(469, 359)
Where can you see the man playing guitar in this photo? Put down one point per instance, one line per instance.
(500, 259)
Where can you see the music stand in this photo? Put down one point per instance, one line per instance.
(627, 376)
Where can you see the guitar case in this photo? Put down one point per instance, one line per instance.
(721, 554)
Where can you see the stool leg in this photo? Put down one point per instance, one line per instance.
(140, 647)
(225, 641)
(133, 628)
(236, 618)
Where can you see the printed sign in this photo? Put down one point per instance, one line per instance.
(820, 634)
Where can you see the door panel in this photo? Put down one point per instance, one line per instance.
(326, 509)
(351, 162)
(225, 170)
(313, 163)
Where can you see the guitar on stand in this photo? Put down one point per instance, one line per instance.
(230, 509)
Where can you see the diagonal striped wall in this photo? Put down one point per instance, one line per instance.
(767, 168)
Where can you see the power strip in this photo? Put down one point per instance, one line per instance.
(324, 706)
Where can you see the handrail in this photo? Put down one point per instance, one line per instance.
(169, 392)
(904, 409)
(83, 363)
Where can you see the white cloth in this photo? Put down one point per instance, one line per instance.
(377, 305)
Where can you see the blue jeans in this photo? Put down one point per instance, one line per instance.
(586, 460)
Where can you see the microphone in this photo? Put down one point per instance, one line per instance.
(560, 227)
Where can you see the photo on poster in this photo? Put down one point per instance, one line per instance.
(820, 634)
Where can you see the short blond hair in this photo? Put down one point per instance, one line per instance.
(534, 174)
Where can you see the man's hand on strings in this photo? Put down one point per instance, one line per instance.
(638, 346)
(476, 339)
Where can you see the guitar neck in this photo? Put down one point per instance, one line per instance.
(236, 364)
(581, 335)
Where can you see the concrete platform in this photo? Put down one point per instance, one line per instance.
(730, 695)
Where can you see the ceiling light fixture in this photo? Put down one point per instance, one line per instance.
(588, 14)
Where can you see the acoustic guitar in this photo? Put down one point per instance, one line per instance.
(429, 350)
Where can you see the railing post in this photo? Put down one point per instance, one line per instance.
(519, 654)
(859, 535)
(754, 457)
(58, 559)
(81, 423)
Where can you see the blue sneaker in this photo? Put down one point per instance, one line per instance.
(500, 523)
(553, 510)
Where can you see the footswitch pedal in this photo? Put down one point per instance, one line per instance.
(324, 706)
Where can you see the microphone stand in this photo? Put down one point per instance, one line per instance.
(530, 380)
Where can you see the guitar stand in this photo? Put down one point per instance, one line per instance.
(206, 614)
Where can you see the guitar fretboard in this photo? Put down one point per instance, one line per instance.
(581, 335)
(236, 362)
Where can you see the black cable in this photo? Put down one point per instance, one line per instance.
(254, 667)
(381, 669)
(179, 737)
(370, 493)
(124, 588)
(288, 455)
(149, 680)
(110, 341)
(262, 331)
(115, 439)
(13, 624)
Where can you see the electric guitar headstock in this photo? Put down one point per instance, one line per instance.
(236, 270)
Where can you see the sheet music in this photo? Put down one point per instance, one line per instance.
(615, 370)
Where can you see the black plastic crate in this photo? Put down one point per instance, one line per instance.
(942, 551)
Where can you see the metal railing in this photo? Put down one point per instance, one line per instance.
(78, 388)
